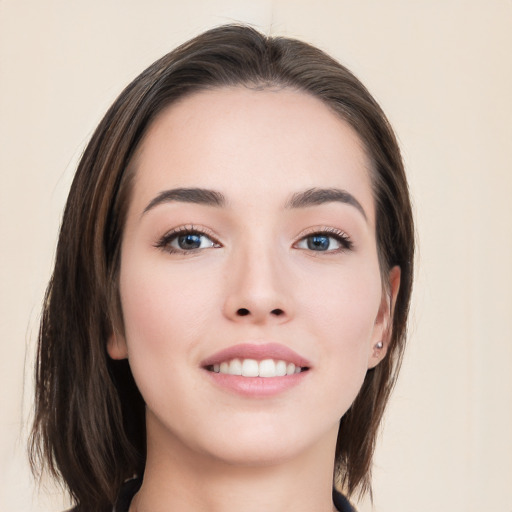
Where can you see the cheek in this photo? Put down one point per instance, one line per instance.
(344, 309)
(350, 344)
(163, 312)
(347, 302)
(163, 307)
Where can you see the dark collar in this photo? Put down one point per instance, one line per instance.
(341, 503)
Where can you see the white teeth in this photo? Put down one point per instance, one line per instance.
(254, 368)
(235, 367)
(267, 368)
(281, 368)
(250, 368)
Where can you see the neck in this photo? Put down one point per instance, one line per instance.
(178, 478)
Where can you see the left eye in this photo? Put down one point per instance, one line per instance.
(322, 242)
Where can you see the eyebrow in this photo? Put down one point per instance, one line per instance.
(318, 196)
(188, 195)
(304, 199)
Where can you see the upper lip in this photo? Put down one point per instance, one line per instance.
(258, 351)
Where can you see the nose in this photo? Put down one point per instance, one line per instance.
(258, 291)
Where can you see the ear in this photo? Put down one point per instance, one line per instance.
(116, 346)
(384, 322)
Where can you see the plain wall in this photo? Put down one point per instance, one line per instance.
(442, 70)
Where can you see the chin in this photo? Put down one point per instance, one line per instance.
(256, 453)
(263, 445)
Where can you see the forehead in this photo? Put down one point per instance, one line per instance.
(243, 141)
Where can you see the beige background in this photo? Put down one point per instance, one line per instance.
(442, 70)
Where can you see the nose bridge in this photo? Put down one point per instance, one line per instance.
(256, 287)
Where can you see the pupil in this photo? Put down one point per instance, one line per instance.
(189, 241)
(318, 243)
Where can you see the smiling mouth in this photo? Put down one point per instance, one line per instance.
(266, 368)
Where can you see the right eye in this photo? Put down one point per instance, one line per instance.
(183, 241)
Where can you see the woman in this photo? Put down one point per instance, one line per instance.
(227, 312)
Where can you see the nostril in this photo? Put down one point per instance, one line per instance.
(242, 312)
(277, 312)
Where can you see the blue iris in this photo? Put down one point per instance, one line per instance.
(318, 242)
(189, 241)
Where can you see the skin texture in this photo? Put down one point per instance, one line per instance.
(210, 448)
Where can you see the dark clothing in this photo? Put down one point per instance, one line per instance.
(132, 486)
(341, 503)
(128, 491)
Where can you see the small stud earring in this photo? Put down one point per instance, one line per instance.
(379, 345)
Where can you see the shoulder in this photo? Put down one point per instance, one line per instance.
(341, 503)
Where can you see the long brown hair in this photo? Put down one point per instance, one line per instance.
(89, 426)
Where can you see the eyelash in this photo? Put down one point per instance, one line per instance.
(164, 243)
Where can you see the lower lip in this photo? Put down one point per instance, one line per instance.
(256, 386)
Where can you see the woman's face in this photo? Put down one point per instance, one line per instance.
(249, 247)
